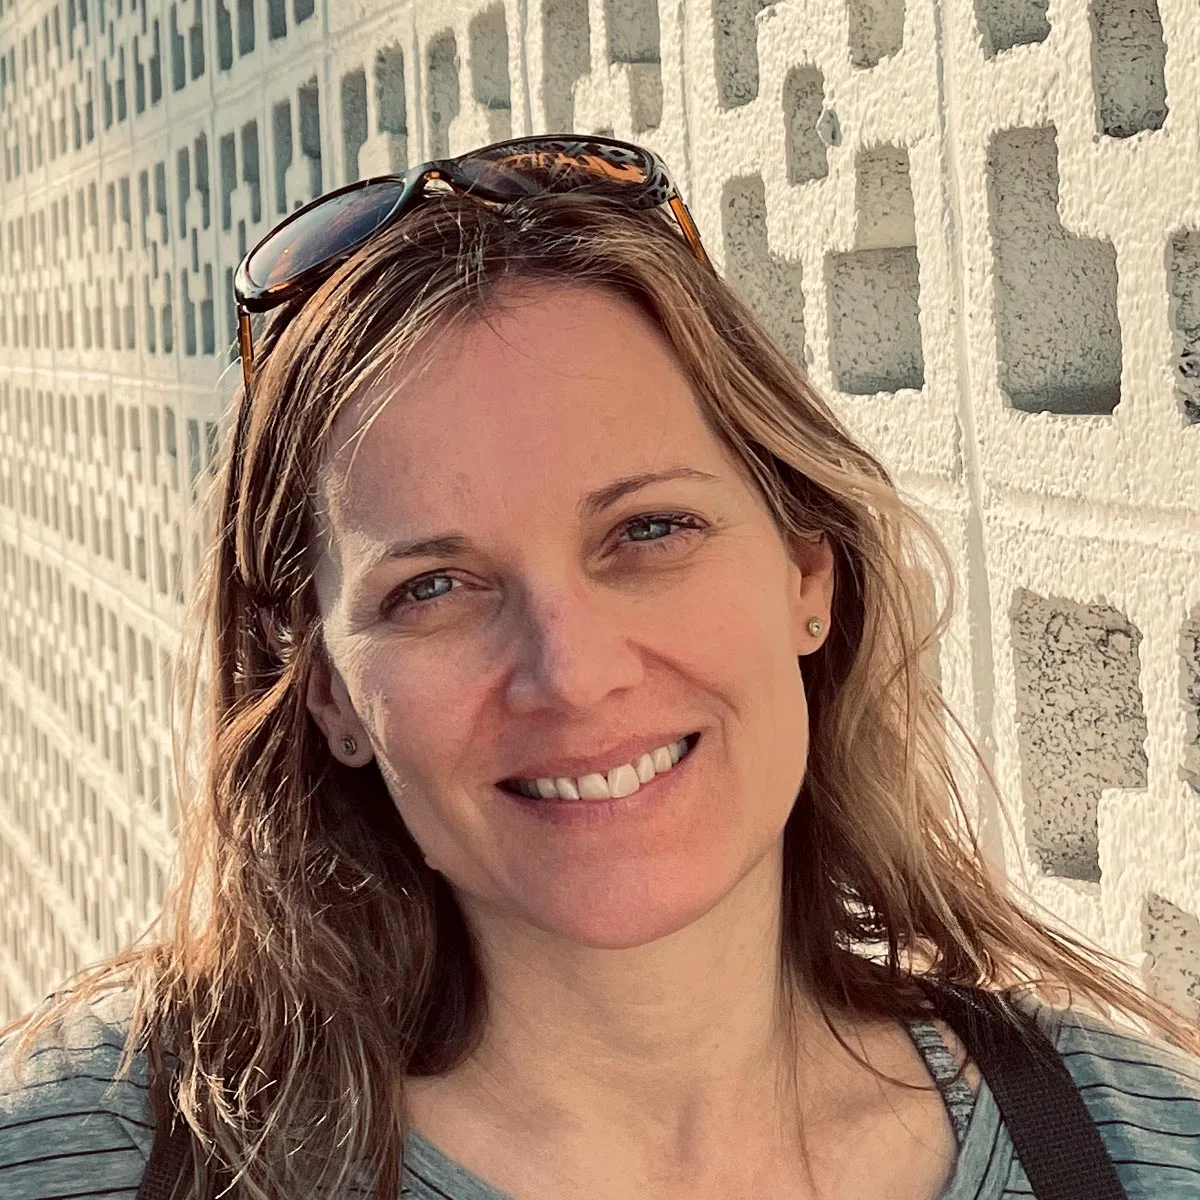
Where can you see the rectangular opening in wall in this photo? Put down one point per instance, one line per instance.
(1189, 670)
(876, 30)
(224, 36)
(207, 313)
(183, 186)
(1058, 335)
(189, 315)
(160, 203)
(250, 172)
(735, 50)
(196, 41)
(1080, 720)
(155, 67)
(276, 19)
(1008, 23)
(227, 149)
(391, 106)
(803, 103)
(354, 121)
(245, 11)
(633, 40)
(281, 141)
(875, 320)
(309, 110)
(488, 41)
(167, 318)
(769, 284)
(874, 289)
(139, 78)
(1171, 940)
(567, 57)
(178, 61)
(1128, 57)
(389, 91)
(442, 91)
(201, 157)
(632, 31)
(1183, 272)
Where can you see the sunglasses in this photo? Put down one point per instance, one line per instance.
(303, 250)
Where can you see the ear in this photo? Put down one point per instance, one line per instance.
(329, 702)
(328, 699)
(811, 582)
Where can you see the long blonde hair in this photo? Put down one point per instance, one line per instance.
(307, 959)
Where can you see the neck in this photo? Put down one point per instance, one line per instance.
(668, 1047)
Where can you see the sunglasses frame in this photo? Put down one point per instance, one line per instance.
(657, 189)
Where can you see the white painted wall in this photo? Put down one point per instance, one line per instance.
(976, 221)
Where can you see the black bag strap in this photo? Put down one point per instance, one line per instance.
(167, 1157)
(1050, 1126)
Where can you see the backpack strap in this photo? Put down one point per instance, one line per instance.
(1051, 1128)
(165, 1166)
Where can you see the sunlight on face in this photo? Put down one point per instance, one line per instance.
(535, 615)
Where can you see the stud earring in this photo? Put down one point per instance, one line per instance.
(349, 745)
(815, 626)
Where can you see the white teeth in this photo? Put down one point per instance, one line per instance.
(623, 781)
(620, 781)
(593, 787)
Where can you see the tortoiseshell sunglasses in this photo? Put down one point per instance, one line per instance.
(305, 248)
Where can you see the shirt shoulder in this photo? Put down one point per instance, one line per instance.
(67, 1126)
(1144, 1097)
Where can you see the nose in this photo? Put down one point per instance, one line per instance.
(573, 649)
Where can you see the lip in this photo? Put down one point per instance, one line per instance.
(643, 803)
(572, 767)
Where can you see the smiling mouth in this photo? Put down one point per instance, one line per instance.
(620, 781)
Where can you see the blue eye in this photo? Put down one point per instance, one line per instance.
(676, 520)
(418, 592)
(424, 591)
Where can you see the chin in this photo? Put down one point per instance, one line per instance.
(636, 917)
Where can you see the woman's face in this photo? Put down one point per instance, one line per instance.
(585, 578)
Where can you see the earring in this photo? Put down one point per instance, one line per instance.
(349, 745)
(815, 626)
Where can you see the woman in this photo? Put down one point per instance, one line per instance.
(578, 819)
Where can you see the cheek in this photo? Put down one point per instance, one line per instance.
(439, 828)
(736, 643)
(420, 705)
(425, 728)
(735, 625)
(748, 640)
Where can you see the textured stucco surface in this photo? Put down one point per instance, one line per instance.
(1080, 724)
(976, 222)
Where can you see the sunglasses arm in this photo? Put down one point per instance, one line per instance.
(688, 226)
(245, 347)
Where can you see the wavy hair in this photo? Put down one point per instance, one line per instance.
(307, 959)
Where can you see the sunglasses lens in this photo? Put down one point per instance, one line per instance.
(332, 226)
(513, 171)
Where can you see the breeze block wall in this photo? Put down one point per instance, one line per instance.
(975, 222)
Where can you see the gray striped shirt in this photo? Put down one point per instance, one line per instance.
(70, 1132)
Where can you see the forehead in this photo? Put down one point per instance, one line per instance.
(554, 391)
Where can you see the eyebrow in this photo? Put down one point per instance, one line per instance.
(447, 545)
